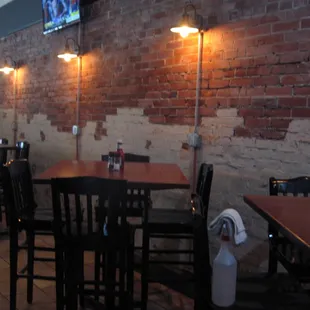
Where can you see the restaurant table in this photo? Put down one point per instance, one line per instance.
(289, 215)
(8, 147)
(153, 176)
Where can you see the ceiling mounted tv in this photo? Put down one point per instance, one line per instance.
(58, 14)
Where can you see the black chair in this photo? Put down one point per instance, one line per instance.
(24, 215)
(23, 149)
(110, 235)
(138, 203)
(135, 197)
(178, 224)
(3, 152)
(280, 248)
(3, 160)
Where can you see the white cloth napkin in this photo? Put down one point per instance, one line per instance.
(234, 223)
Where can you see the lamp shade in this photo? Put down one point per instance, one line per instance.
(6, 69)
(186, 26)
(69, 53)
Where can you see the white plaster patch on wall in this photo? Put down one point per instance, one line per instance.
(6, 123)
(241, 165)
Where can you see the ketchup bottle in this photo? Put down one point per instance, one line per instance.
(119, 150)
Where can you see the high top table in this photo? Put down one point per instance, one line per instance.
(153, 176)
(289, 215)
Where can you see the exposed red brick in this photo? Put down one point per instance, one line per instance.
(305, 23)
(301, 113)
(265, 102)
(251, 112)
(157, 119)
(285, 47)
(218, 83)
(203, 111)
(251, 122)
(259, 30)
(239, 102)
(272, 134)
(302, 90)
(267, 81)
(277, 113)
(285, 26)
(292, 102)
(280, 123)
(241, 82)
(295, 79)
(242, 132)
(278, 91)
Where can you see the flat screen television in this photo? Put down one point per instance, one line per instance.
(58, 14)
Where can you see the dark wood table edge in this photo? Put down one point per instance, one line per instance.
(8, 147)
(141, 185)
(271, 220)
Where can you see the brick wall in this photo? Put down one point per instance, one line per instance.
(138, 83)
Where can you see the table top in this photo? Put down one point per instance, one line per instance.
(154, 176)
(290, 215)
(8, 147)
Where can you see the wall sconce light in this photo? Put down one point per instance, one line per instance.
(188, 24)
(70, 52)
(9, 65)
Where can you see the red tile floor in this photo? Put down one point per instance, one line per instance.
(253, 291)
(160, 297)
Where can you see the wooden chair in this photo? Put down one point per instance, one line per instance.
(178, 224)
(110, 235)
(24, 215)
(23, 149)
(135, 197)
(280, 248)
(138, 204)
(3, 160)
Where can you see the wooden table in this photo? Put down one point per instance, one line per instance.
(154, 176)
(289, 215)
(8, 147)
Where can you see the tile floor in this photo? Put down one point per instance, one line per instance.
(253, 291)
(160, 297)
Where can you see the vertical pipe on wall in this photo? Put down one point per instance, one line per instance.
(14, 125)
(78, 97)
(198, 87)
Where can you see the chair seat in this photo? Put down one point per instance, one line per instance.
(96, 240)
(170, 216)
(170, 221)
(42, 220)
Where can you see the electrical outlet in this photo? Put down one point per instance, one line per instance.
(194, 140)
(75, 130)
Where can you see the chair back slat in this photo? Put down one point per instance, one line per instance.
(67, 213)
(89, 213)
(203, 187)
(21, 177)
(111, 195)
(78, 213)
(3, 152)
(18, 190)
(295, 186)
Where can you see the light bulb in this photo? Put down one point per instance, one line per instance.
(184, 32)
(67, 58)
(6, 70)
